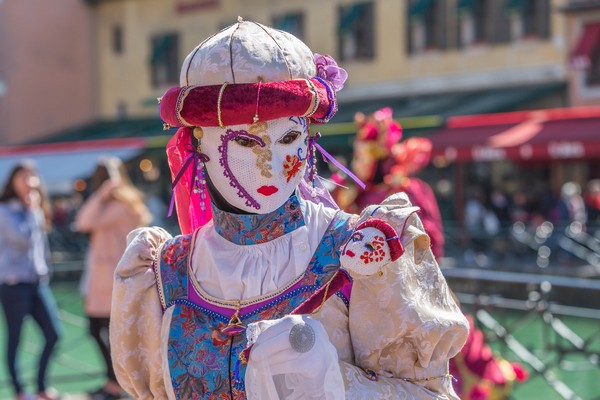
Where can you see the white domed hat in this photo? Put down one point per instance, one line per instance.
(248, 52)
(249, 72)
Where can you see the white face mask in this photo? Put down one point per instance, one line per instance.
(257, 167)
(366, 252)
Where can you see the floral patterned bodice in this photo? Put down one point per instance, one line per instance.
(203, 361)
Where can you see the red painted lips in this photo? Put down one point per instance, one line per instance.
(267, 190)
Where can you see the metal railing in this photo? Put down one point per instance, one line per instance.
(540, 307)
(569, 249)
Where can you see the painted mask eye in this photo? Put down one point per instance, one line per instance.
(245, 141)
(289, 137)
(369, 247)
(357, 236)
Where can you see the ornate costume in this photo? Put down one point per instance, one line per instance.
(208, 314)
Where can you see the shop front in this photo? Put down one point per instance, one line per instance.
(532, 152)
(533, 174)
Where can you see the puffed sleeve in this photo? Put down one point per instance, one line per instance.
(404, 325)
(136, 317)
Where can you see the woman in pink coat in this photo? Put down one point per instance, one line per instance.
(114, 208)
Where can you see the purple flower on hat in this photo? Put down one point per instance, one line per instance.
(328, 69)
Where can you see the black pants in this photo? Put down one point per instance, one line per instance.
(36, 300)
(99, 331)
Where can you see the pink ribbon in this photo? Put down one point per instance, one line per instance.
(194, 158)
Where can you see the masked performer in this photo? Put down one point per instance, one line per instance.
(388, 165)
(247, 302)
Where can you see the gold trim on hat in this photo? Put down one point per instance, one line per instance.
(314, 101)
(219, 103)
(182, 95)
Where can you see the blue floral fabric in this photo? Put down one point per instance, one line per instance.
(203, 361)
(247, 229)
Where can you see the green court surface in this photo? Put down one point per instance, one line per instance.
(579, 372)
(77, 367)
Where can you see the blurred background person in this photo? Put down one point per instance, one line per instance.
(571, 207)
(592, 201)
(24, 278)
(114, 208)
(388, 165)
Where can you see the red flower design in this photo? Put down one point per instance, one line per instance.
(188, 324)
(376, 254)
(291, 166)
(367, 257)
(217, 337)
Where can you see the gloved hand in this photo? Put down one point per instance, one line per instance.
(292, 358)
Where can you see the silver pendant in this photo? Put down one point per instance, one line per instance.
(302, 337)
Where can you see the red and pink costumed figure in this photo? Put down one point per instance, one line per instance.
(388, 165)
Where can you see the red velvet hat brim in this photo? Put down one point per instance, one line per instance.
(240, 103)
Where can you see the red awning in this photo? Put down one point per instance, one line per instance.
(587, 43)
(73, 146)
(540, 135)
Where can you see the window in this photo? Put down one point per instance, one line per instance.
(117, 39)
(292, 23)
(474, 22)
(500, 22)
(585, 54)
(528, 18)
(496, 21)
(536, 18)
(593, 72)
(165, 59)
(483, 21)
(435, 26)
(355, 32)
(426, 25)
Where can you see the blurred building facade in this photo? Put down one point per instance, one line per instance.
(394, 50)
(111, 59)
(47, 74)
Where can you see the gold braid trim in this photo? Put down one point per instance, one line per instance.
(314, 101)
(221, 91)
